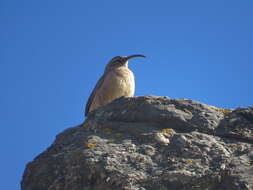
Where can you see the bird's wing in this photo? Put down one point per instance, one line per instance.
(90, 100)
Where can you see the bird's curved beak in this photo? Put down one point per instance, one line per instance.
(133, 56)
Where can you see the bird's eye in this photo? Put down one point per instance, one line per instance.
(117, 61)
(120, 59)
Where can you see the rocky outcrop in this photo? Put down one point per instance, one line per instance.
(150, 143)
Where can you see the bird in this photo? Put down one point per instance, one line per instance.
(116, 81)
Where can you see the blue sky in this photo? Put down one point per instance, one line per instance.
(53, 52)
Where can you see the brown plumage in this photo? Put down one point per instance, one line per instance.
(117, 81)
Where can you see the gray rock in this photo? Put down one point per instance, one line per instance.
(238, 124)
(150, 143)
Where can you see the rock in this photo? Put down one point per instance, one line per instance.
(147, 143)
(238, 124)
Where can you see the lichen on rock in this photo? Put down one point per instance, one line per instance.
(147, 143)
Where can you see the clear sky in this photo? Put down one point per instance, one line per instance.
(53, 52)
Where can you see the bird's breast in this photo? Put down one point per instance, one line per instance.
(116, 83)
(120, 83)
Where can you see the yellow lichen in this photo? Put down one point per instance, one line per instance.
(189, 162)
(118, 134)
(167, 131)
(90, 145)
(232, 145)
(224, 111)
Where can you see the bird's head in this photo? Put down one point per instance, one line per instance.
(120, 61)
